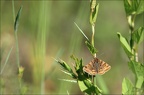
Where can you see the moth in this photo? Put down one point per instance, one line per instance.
(96, 66)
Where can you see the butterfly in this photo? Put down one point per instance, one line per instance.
(96, 66)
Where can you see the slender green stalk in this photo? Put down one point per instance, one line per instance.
(15, 32)
(13, 10)
(6, 60)
(40, 47)
(92, 40)
(44, 7)
(17, 49)
(93, 7)
(16, 21)
(94, 55)
(133, 45)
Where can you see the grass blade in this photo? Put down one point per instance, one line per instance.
(6, 60)
(81, 31)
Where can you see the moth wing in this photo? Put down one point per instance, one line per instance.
(103, 66)
(90, 68)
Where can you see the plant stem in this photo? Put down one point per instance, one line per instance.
(93, 33)
(92, 82)
(17, 48)
(92, 41)
(6, 61)
(133, 45)
(16, 38)
(13, 10)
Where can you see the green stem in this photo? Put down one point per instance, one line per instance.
(13, 10)
(17, 48)
(92, 82)
(16, 38)
(17, 45)
(133, 45)
(92, 40)
(20, 86)
(94, 55)
(6, 61)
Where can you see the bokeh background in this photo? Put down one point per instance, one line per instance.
(61, 38)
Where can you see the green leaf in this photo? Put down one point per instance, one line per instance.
(93, 15)
(78, 64)
(138, 70)
(67, 68)
(140, 8)
(67, 80)
(71, 74)
(125, 45)
(82, 86)
(87, 87)
(140, 81)
(92, 49)
(138, 35)
(127, 87)
(17, 19)
(133, 6)
(81, 31)
(6, 61)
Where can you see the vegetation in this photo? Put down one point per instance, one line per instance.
(36, 35)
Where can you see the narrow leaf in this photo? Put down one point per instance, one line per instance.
(140, 8)
(67, 80)
(138, 70)
(92, 49)
(71, 74)
(140, 81)
(6, 60)
(133, 6)
(93, 15)
(138, 35)
(78, 64)
(17, 19)
(87, 87)
(81, 31)
(67, 68)
(127, 87)
(82, 86)
(125, 45)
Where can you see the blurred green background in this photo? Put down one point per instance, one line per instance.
(61, 38)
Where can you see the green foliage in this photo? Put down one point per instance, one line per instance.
(138, 35)
(2, 83)
(78, 64)
(127, 87)
(91, 48)
(138, 70)
(67, 68)
(133, 6)
(15, 31)
(17, 19)
(93, 15)
(87, 87)
(82, 79)
(125, 45)
(22, 89)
